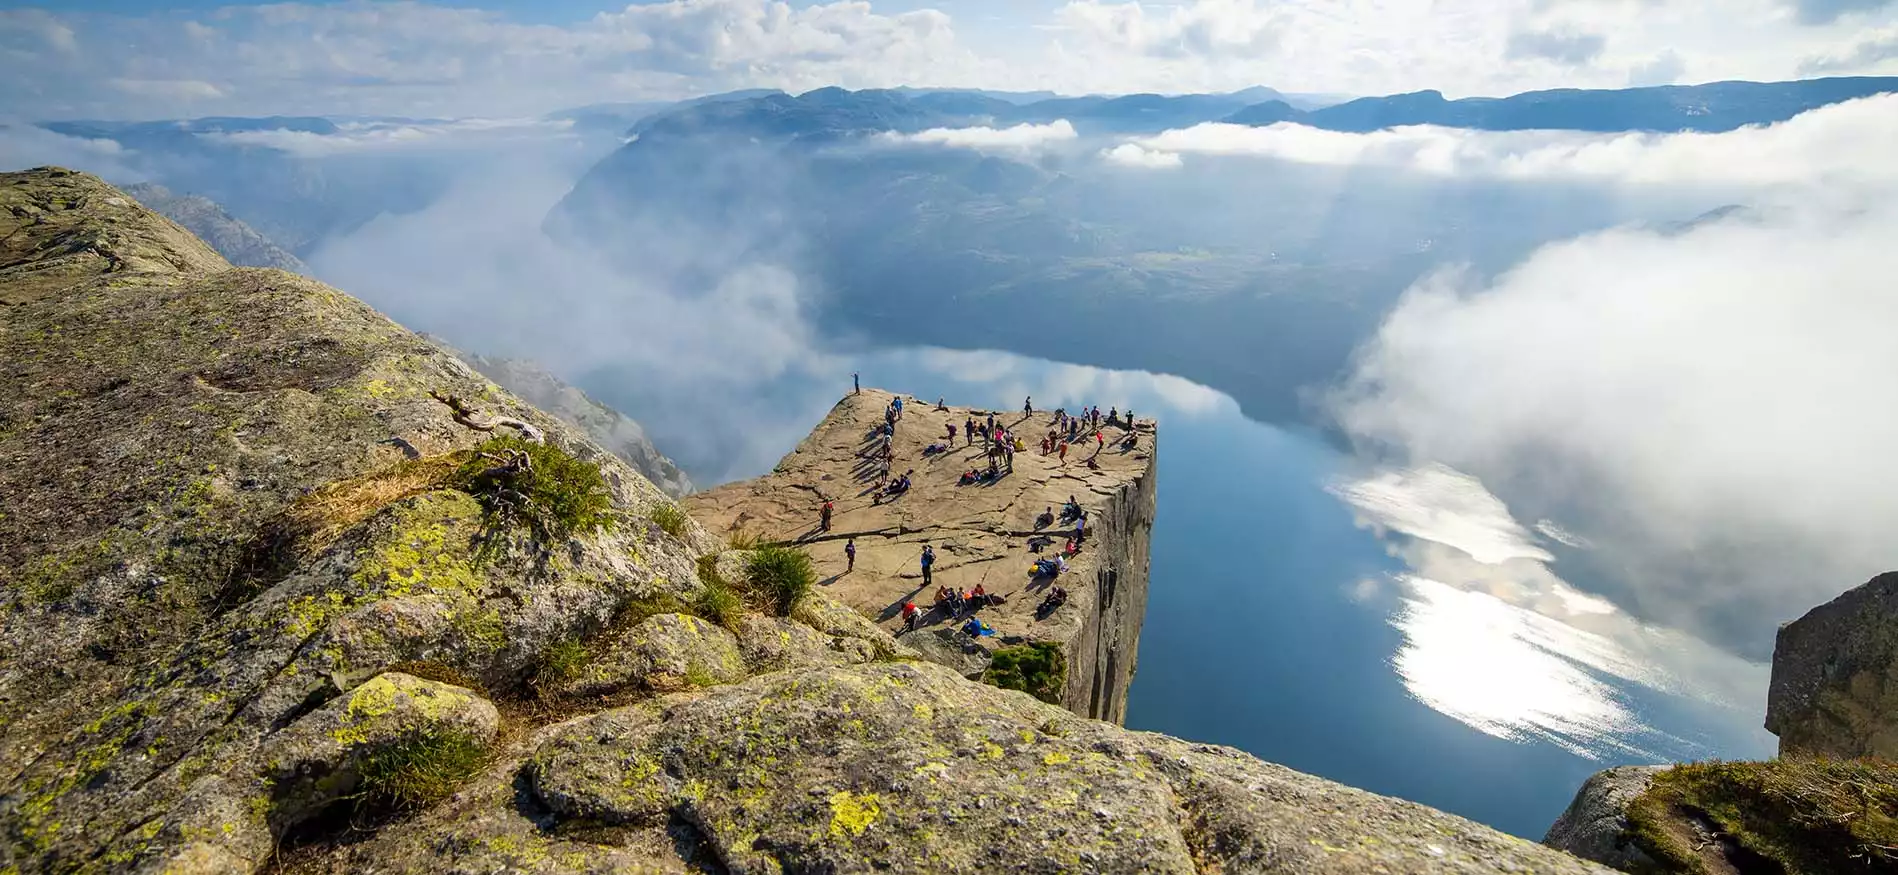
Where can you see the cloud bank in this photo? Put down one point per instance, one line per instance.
(1020, 139)
(1710, 405)
(368, 57)
(1845, 144)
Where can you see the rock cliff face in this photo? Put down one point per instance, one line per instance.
(1835, 676)
(283, 584)
(237, 242)
(980, 533)
(609, 428)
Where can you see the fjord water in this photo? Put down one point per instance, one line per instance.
(1276, 622)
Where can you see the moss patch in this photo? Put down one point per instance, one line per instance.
(561, 662)
(1806, 815)
(1038, 668)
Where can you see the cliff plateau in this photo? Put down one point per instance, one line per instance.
(285, 585)
(980, 533)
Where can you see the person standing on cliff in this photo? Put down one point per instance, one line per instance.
(823, 521)
(856, 385)
(850, 555)
(1028, 406)
(929, 559)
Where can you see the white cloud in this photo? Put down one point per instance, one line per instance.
(383, 136)
(1135, 155)
(1018, 139)
(1710, 406)
(1846, 143)
(414, 58)
(180, 90)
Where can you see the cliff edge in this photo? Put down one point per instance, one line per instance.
(981, 533)
(283, 585)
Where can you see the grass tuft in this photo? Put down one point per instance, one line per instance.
(669, 518)
(1038, 668)
(718, 602)
(780, 576)
(557, 497)
(560, 662)
(1804, 814)
(420, 770)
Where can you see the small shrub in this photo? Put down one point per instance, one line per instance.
(557, 495)
(742, 540)
(1803, 814)
(420, 770)
(720, 605)
(560, 663)
(1038, 668)
(669, 518)
(780, 576)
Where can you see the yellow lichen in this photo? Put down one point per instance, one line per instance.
(1055, 758)
(851, 814)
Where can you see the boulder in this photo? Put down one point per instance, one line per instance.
(906, 767)
(951, 649)
(661, 652)
(318, 759)
(1595, 825)
(1835, 676)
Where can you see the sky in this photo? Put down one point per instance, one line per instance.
(172, 58)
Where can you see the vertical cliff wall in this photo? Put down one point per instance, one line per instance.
(980, 533)
(1835, 676)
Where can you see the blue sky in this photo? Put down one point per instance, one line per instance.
(138, 58)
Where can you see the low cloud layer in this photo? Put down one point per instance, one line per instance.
(1017, 140)
(354, 137)
(1711, 406)
(1842, 144)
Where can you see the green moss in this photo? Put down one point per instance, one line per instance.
(420, 770)
(48, 579)
(1038, 668)
(1807, 815)
(780, 576)
(557, 496)
(669, 518)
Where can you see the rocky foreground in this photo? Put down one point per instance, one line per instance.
(286, 586)
(980, 533)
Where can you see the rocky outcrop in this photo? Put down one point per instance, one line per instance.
(1835, 676)
(1595, 825)
(239, 243)
(906, 767)
(980, 533)
(273, 567)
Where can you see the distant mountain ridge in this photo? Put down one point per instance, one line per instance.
(829, 113)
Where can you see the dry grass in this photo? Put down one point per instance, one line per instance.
(1803, 815)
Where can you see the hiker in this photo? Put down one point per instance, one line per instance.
(1080, 528)
(850, 555)
(933, 449)
(1046, 519)
(910, 615)
(823, 523)
(1130, 419)
(942, 407)
(1028, 406)
(1113, 414)
(1071, 548)
(929, 559)
(1056, 598)
(952, 432)
(1100, 441)
(856, 386)
(897, 404)
(1064, 452)
(975, 628)
(968, 430)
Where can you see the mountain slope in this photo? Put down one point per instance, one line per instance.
(237, 242)
(275, 593)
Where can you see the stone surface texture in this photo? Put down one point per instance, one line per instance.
(1835, 676)
(980, 532)
(194, 676)
(1595, 825)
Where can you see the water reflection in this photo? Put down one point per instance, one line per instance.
(1494, 638)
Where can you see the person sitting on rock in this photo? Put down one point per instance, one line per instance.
(1046, 519)
(975, 628)
(968, 477)
(911, 615)
(1071, 548)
